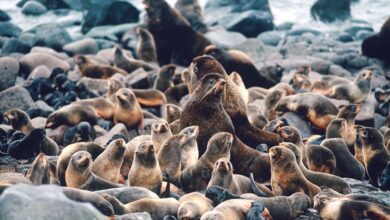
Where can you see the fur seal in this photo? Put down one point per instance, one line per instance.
(28, 146)
(352, 196)
(174, 37)
(130, 65)
(146, 47)
(318, 109)
(157, 208)
(236, 78)
(230, 209)
(193, 205)
(377, 45)
(197, 176)
(256, 116)
(223, 176)
(286, 176)
(150, 97)
(92, 69)
(318, 178)
(346, 164)
(129, 153)
(164, 78)
(375, 155)
(79, 175)
(127, 109)
(349, 113)
(108, 164)
(145, 170)
(68, 151)
(190, 152)
(71, 115)
(42, 171)
(170, 112)
(83, 132)
(338, 128)
(160, 132)
(273, 96)
(103, 107)
(238, 61)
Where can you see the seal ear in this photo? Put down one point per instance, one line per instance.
(80, 59)
(206, 174)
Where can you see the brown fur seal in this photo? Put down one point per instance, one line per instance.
(92, 69)
(150, 97)
(193, 205)
(128, 155)
(42, 171)
(102, 106)
(174, 37)
(333, 208)
(346, 164)
(78, 174)
(190, 152)
(338, 128)
(145, 170)
(238, 61)
(375, 154)
(349, 113)
(176, 93)
(68, 151)
(192, 11)
(256, 116)
(292, 135)
(146, 47)
(164, 78)
(130, 65)
(352, 196)
(170, 112)
(273, 96)
(230, 209)
(160, 133)
(286, 176)
(223, 176)
(355, 92)
(318, 178)
(236, 78)
(169, 156)
(157, 208)
(358, 146)
(21, 121)
(197, 176)
(318, 109)
(127, 109)
(232, 103)
(71, 115)
(108, 164)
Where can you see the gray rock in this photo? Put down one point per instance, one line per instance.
(363, 187)
(38, 122)
(43, 202)
(134, 216)
(354, 29)
(225, 39)
(44, 106)
(299, 30)
(98, 85)
(27, 38)
(8, 29)
(253, 47)
(271, 38)
(51, 35)
(117, 129)
(84, 46)
(62, 56)
(344, 37)
(129, 194)
(331, 10)
(139, 79)
(15, 97)
(363, 34)
(40, 72)
(9, 69)
(14, 45)
(75, 4)
(4, 16)
(32, 60)
(33, 8)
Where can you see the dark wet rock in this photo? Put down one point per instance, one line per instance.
(225, 39)
(14, 45)
(344, 37)
(134, 216)
(331, 10)
(9, 69)
(110, 12)
(250, 17)
(48, 199)
(84, 46)
(51, 35)
(8, 29)
(33, 8)
(75, 4)
(15, 97)
(4, 16)
(271, 38)
(297, 122)
(117, 129)
(139, 79)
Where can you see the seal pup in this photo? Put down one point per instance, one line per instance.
(193, 205)
(190, 152)
(90, 68)
(146, 47)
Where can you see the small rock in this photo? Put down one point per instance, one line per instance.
(4, 16)
(40, 72)
(51, 35)
(9, 69)
(32, 60)
(134, 216)
(33, 8)
(99, 85)
(138, 79)
(253, 47)
(353, 30)
(117, 129)
(15, 46)
(39, 122)
(225, 39)
(62, 56)
(15, 97)
(298, 31)
(8, 29)
(84, 46)
(271, 38)
(344, 37)
(44, 106)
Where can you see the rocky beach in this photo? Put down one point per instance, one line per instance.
(110, 109)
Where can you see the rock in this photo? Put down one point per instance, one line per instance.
(253, 47)
(40, 72)
(284, 26)
(297, 122)
(43, 202)
(129, 194)
(84, 46)
(139, 79)
(299, 30)
(8, 29)
(250, 17)
(99, 85)
(51, 35)
(331, 10)
(27, 38)
(62, 56)
(363, 187)
(225, 39)
(15, 97)
(110, 12)
(75, 4)
(9, 69)
(271, 38)
(39, 122)
(33, 8)
(363, 34)
(354, 29)
(42, 105)
(344, 37)
(32, 60)
(14, 45)
(4, 16)
(117, 129)
(134, 216)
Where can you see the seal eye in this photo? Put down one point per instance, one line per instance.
(211, 81)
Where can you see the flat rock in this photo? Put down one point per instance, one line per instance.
(51, 35)
(32, 60)
(15, 97)
(99, 85)
(134, 216)
(9, 69)
(40, 72)
(225, 39)
(84, 46)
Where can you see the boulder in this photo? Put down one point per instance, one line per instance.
(33, 8)
(117, 129)
(9, 69)
(32, 60)
(99, 85)
(40, 72)
(331, 10)
(15, 97)
(14, 45)
(250, 17)
(271, 38)
(43, 202)
(4, 16)
(8, 29)
(225, 39)
(51, 35)
(134, 216)
(84, 46)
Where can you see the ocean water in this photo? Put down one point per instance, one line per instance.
(374, 12)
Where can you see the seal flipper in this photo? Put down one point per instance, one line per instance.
(255, 188)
